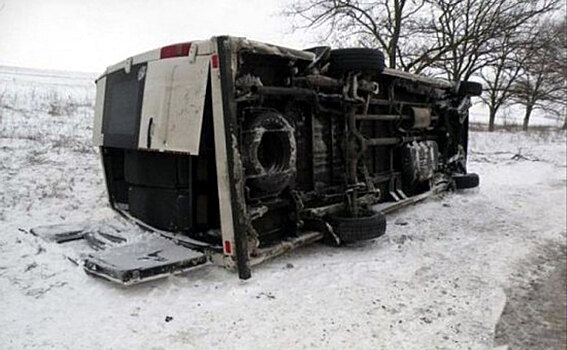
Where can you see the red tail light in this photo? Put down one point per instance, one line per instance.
(175, 50)
(215, 61)
(227, 247)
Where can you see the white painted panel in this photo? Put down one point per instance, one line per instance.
(204, 47)
(174, 100)
(99, 107)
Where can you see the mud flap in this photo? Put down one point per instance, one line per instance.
(142, 261)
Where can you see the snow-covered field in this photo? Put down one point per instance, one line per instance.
(438, 279)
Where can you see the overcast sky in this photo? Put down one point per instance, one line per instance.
(88, 35)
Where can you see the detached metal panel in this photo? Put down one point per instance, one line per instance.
(174, 100)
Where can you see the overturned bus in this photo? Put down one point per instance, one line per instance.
(233, 151)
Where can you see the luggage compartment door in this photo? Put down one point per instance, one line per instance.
(173, 104)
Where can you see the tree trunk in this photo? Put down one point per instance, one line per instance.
(392, 60)
(526, 124)
(491, 119)
(396, 34)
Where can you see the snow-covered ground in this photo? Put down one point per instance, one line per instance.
(437, 280)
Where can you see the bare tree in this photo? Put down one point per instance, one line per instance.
(541, 85)
(558, 64)
(500, 75)
(468, 31)
(453, 36)
(379, 23)
(457, 39)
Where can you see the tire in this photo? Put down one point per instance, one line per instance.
(349, 229)
(469, 88)
(463, 181)
(269, 153)
(356, 59)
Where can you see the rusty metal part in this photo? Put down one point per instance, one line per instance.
(269, 153)
(247, 81)
(390, 141)
(384, 102)
(384, 141)
(268, 49)
(419, 88)
(382, 117)
(355, 150)
(256, 212)
(263, 254)
(319, 80)
(282, 91)
(420, 161)
(369, 86)
(352, 89)
(298, 93)
(433, 82)
(356, 146)
(319, 212)
(390, 207)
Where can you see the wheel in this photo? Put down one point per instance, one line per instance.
(356, 59)
(469, 88)
(371, 225)
(269, 153)
(462, 181)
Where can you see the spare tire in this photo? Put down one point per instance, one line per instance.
(371, 225)
(356, 59)
(269, 153)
